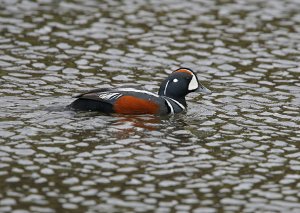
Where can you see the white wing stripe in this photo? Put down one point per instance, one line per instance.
(109, 96)
(136, 90)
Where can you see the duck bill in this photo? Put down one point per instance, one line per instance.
(202, 89)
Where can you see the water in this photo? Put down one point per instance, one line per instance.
(236, 150)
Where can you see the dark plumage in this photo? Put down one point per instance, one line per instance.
(170, 98)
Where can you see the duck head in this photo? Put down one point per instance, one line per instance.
(180, 83)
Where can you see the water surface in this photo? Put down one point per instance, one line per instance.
(236, 150)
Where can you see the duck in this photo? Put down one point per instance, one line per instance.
(170, 98)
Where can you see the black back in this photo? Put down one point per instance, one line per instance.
(91, 105)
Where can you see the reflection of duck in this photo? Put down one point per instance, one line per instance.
(170, 98)
(146, 123)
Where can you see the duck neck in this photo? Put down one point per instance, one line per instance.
(164, 92)
(179, 99)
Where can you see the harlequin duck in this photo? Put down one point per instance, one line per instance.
(169, 100)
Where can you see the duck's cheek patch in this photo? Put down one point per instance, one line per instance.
(193, 84)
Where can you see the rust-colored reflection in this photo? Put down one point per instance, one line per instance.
(129, 125)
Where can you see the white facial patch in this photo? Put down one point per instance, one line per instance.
(175, 80)
(193, 83)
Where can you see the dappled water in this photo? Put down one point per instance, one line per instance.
(236, 150)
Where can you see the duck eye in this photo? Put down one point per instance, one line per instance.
(175, 80)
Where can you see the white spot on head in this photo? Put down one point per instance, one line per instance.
(175, 80)
(193, 83)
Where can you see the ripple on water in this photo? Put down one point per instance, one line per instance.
(233, 151)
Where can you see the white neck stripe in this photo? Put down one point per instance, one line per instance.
(170, 106)
(176, 102)
(179, 104)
